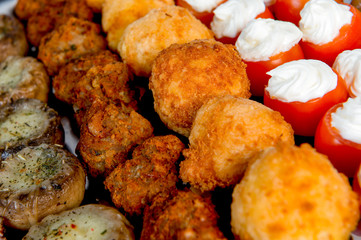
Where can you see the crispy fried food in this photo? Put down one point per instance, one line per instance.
(107, 82)
(184, 76)
(71, 73)
(52, 16)
(12, 38)
(118, 14)
(109, 134)
(227, 132)
(95, 5)
(69, 41)
(24, 9)
(182, 215)
(143, 39)
(291, 192)
(151, 171)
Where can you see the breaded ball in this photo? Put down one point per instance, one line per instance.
(109, 134)
(95, 5)
(184, 76)
(23, 77)
(65, 82)
(12, 38)
(151, 171)
(70, 41)
(227, 132)
(24, 9)
(292, 192)
(118, 14)
(181, 215)
(143, 39)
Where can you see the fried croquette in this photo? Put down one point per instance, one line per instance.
(152, 170)
(69, 41)
(292, 192)
(24, 9)
(143, 39)
(227, 132)
(12, 38)
(108, 82)
(182, 215)
(184, 76)
(95, 5)
(110, 132)
(71, 73)
(23, 77)
(118, 14)
(52, 16)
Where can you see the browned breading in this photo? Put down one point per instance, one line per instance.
(24, 9)
(183, 215)
(184, 76)
(109, 133)
(151, 171)
(71, 73)
(70, 41)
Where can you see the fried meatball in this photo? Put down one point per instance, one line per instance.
(184, 76)
(71, 73)
(292, 192)
(12, 38)
(118, 14)
(24, 9)
(143, 39)
(70, 41)
(182, 215)
(151, 171)
(53, 16)
(227, 132)
(109, 134)
(23, 77)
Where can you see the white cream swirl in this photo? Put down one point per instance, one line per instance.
(321, 20)
(348, 65)
(264, 38)
(232, 16)
(301, 80)
(347, 120)
(203, 5)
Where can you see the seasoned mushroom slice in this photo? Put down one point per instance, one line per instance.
(23, 77)
(92, 221)
(38, 181)
(28, 122)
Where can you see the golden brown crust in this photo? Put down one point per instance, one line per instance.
(227, 132)
(293, 192)
(24, 9)
(109, 134)
(184, 76)
(143, 39)
(70, 41)
(150, 172)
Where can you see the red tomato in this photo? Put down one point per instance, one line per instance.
(348, 39)
(345, 155)
(305, 116)
(204, 17)
(257, 71)
(229, 40)
(356, 186)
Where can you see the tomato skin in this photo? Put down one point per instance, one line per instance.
(257, 71)
(345, 155)
(305, 116)
(347, 39)
(356, 187)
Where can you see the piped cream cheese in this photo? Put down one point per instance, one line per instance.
(301, 80)
(321, 20)
(348, 65)
(232, 16)
(203, 5)
(347, 120)
(264, 38)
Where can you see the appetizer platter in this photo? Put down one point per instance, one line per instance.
(185, 119)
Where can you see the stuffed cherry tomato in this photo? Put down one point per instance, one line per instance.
(337, 29)
(201, 9)
(302, 91)
(264, 44)
(338, 136)
(231, 17)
